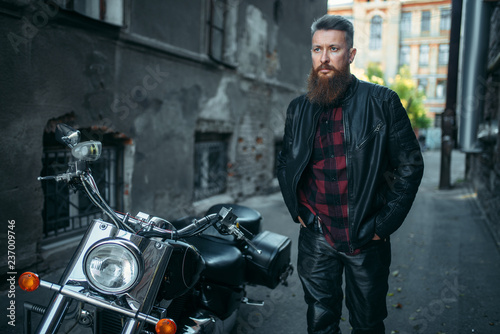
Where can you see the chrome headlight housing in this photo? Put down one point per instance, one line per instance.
(113, 266)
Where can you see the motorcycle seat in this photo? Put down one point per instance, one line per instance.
(224, 262)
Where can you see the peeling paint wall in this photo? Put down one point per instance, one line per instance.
(153, 82)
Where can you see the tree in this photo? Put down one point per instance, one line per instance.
(411, 97)
(375, 74)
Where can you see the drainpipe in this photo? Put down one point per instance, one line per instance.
(474, 62)
(449, 120)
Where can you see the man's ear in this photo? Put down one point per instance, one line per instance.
(352, 54)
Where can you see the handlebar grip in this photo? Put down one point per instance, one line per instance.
(42, 178)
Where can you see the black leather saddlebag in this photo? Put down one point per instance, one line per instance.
(267, 267)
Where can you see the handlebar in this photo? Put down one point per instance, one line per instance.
(224, 221)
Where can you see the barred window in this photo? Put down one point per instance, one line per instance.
(67, 211)
(210, 165)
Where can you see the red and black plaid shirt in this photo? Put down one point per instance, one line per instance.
(323, 186)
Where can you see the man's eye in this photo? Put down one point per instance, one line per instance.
(333, 49)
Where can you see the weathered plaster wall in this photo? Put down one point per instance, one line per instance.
(153, 82)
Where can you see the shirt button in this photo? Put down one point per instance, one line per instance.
(331, 156)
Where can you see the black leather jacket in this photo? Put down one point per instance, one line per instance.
(384, 162)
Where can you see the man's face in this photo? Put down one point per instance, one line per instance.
(330, 75)
(330, 51)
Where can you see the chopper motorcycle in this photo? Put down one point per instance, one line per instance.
(144, 274)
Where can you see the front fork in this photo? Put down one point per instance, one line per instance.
(54, 315)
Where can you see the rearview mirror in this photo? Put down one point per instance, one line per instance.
(66, 135)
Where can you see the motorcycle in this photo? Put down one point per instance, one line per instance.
(144, 274)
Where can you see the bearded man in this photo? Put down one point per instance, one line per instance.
(349, 171)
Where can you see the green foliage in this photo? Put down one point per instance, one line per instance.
(411, 97)
(375, 74)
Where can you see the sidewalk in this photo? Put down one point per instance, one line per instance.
(444, 274)
(445, 270)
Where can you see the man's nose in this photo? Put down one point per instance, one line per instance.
(324, 57)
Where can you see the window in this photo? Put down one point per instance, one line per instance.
(66, 211)
(438, 120)
(444, 50)
(445, 23)
(406, 24)
(222, 29)
(424, 55)
(404, 55)
(422, 85)
(425, 27)
(376, 33)
(441, 89)
(210, 165)
(107, 11)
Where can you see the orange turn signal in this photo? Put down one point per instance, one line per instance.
(29, 281)
(166, 326)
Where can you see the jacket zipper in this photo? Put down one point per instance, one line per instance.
(346, 141)
(370, 135)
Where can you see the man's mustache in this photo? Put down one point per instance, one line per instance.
(325, 67)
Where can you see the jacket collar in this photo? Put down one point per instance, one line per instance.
(353, 87)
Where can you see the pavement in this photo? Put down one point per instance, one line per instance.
(445, 269)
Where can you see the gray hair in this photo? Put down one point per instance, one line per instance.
(335, 22)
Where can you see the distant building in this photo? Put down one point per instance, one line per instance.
(394, 33)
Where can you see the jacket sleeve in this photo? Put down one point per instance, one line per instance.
(405, 174)
(283, 156)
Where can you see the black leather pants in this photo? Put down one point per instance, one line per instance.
(320, 268)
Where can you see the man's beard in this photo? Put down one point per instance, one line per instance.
(326, 90)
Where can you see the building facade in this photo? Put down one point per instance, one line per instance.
(413, 33)
(188, 98)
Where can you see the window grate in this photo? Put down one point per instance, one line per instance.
(210, 169)
(66, 210)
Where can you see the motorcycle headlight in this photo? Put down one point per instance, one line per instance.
(113, 266)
